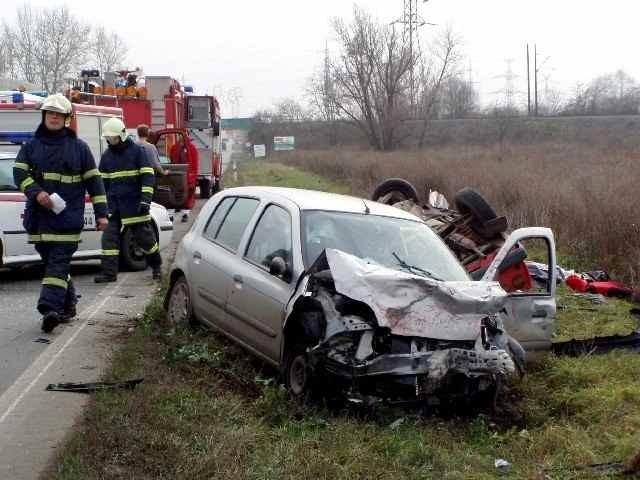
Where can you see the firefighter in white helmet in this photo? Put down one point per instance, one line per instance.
(56, 163)
(129, 179)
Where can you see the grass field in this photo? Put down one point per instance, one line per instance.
(208, 410)
(587, 195)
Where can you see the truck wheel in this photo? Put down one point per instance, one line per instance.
(217, 186)
(399, 189)
(205, 187)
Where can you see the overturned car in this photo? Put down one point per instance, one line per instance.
(352, 296)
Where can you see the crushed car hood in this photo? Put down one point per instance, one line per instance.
(412, 305)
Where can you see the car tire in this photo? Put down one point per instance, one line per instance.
(205, 187)
(469, 201)
(217, 186)
(297, 371)
(400, 189)
(132, 258)
(179, 306)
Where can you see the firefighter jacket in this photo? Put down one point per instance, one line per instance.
(58, 162)
(128, 178)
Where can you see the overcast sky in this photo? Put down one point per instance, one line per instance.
(268, 50)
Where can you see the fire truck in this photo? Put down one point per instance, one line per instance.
(174, 113)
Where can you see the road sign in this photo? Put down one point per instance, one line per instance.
(284, 143)
(259, 151)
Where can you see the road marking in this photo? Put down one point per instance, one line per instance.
(91, 311)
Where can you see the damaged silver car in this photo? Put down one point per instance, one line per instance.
(347, 295)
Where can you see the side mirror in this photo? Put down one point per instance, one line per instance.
(278, 267)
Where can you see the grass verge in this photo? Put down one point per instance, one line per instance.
(208, 410)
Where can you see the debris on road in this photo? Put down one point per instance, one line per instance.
(42, 340)
(93, 387)
(115, 313)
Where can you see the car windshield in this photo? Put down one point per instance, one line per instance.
(6, 175)
(396, 243)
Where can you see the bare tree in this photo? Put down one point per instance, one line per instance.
(458, 98)
(23, 43)
(433, 73)
(370, 78)
(290, 110)
(47, 44)
(612, 94)
(108, 49)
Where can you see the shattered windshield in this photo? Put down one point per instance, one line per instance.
(6, 175)
(396, 243)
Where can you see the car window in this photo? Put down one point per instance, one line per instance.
(6, 175)
(213, 225)
(391, 242)
(235, 222)
(271, 237)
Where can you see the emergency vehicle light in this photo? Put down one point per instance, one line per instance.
(16, 137)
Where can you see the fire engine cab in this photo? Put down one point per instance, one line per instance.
(178, 118)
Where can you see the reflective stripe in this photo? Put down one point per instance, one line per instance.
(58, 177)
(111, 253)
(53, 237)
(26, 183)
(99, 199)
(90, 173)
(131, 220)
(147, 190)
(144, 170)
(121, 174)
(56, 282)
(154, 249)
(21, 166)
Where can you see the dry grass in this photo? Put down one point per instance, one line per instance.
(587, 195)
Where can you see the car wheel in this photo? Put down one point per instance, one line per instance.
(469, 201)
(297, 371)
(179, 308)
(399, 189)
(131, 255)
(205, 187)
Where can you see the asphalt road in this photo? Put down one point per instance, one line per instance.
(20, 325)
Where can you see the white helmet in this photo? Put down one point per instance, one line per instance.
(57, 103)
(114, 127)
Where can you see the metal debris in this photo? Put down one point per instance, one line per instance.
(597, 345)
(93, 387)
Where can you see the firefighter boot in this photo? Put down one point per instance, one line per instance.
(50, 321)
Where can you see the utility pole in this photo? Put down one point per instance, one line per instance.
(528, 84)
(535, 76)
(411, 21)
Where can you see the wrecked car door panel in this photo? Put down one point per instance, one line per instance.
(260, 293)
(529, 314)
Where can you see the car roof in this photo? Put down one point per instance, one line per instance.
(316, 200)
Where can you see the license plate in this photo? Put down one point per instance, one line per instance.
(89, 221)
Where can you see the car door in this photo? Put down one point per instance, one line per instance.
(258, 298)
(530, 312)
(213, 258)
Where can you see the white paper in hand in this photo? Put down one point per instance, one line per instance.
(58, 203)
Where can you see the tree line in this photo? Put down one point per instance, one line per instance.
(44, 46)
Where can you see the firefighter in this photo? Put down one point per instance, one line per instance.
(57, 162)
(128, 178)
(181, 153)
